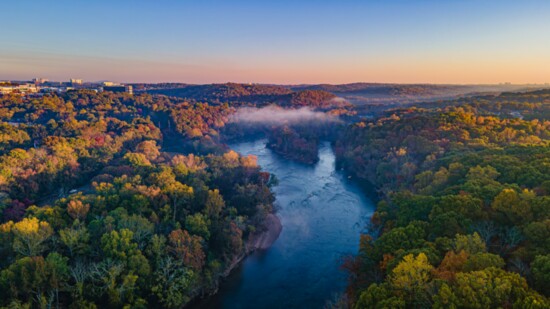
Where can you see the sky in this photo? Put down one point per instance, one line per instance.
(284, 42)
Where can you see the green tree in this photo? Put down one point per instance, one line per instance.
(472, 243)
(180, 195)
(540, 268)
(76, 239)
(156, 249)
(444, 298)
(490, 288)
(379, 296)
(198, 224)
(538, 237)
(173, 283)
(37, 279)
(480, 261)
(400, 238)
(58, 273)
(214, 204)
(141, 228)
(516, 208)
(120, 247)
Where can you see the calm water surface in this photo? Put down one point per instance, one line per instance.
(322, 214)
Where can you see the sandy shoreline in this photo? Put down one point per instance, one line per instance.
(262, 240)
(266, 238)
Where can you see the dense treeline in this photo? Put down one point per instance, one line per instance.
(390, 89)
(376, 97)
(529, 106)
(315, 98)
(95, 214)
(230, 92)
(256, 94)
(464, 216)
(200, 120)
(289, 143)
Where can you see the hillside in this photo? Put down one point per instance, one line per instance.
(374, 93)
(230, 92)
(464, 211)
(252, 94)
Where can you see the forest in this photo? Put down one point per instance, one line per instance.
(96, 214)
(463, 219)
(117, 200)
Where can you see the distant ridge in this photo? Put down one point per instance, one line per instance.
(357, 93)
(251, 93)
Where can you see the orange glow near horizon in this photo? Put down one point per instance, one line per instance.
(383, 70)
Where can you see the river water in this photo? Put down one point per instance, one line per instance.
(322, 214)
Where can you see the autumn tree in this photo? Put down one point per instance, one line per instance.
(149, 149)
(187, 248)
(411, 277)
(30, 236)
(77, 210)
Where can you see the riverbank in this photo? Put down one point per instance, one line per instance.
(263, 239)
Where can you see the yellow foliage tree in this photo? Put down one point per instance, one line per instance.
(30, 235)
(411, 276)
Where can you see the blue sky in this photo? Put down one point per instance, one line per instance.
(278, 41)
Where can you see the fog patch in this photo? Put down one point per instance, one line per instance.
(277, 115)
(339, 101)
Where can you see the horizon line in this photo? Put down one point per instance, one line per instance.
(288, 84)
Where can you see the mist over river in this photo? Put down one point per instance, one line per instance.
(322, 214)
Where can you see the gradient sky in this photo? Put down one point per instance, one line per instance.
(439, 41)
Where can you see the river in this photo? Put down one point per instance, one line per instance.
(322, 214)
